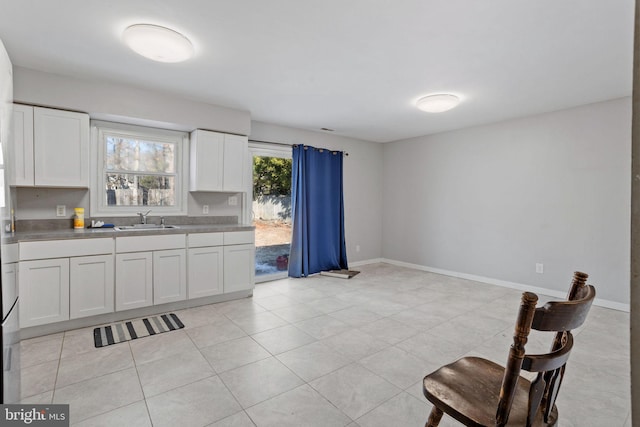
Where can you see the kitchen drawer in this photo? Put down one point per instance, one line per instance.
(65, 248)
(201, 240)
(150, 243)
(239, 237)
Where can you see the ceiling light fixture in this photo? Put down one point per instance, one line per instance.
(438, 103)
(158, 43)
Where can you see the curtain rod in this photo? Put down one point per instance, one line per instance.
(288, 145)
(270, 142)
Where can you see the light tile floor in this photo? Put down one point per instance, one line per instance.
(319, 352)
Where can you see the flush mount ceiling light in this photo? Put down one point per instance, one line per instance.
(158, 43)
(438, 103)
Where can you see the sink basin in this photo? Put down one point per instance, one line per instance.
(145, 227)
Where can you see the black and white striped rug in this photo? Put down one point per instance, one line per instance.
(134, 329)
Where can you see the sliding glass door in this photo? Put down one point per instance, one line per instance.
(271, 209)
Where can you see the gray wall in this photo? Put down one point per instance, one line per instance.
(492, 201)
(489, 201)
(362, 183)
(125, 104)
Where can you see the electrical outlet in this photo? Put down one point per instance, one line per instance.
(233, 200)
(357, 248)
(539, 268)
(205, 209)
(61, 210)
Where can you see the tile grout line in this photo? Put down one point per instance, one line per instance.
(215, 373)
(144, 396)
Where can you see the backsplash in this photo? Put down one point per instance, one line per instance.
(40, 204)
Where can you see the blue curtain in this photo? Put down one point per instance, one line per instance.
(317, 212)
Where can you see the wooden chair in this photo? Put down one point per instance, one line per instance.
(478, 392)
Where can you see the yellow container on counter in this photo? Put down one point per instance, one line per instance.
(78, 220)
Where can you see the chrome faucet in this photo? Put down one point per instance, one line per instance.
(143, 216)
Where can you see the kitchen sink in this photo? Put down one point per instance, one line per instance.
(145, 227)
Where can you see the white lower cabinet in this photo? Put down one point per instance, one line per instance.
(221, 263)
(10, 283)
(239, 270)
(150, 270)
(205, 276)
(71, 279)
(64, 279)
(169, 276)
(91, 286)
(44, 291)
(10, 258)
(134, 280)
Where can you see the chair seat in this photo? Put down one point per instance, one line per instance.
(469, 389)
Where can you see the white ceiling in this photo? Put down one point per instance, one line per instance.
(356, 66)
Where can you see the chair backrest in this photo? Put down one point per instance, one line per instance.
(557, 316)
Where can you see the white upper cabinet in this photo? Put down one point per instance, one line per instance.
(61, 148)
(236, 150)
(207, 154)
(217, 161)
(22, 153)
(50, 148)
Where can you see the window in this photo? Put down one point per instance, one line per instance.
(138, 168)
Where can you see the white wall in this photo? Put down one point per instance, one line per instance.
(125, 104)
(362, 183)
(494, 200)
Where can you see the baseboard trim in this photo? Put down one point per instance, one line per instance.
(366, 262)
(506, 284)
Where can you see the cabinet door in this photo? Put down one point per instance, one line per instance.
(91, 286)
(134, 280)
(207, 150)
(9, 286)
(61, 148)
(169, 276)
(205, 272)
(238, 267)
(43, 291)
(21, 154)
(236, 150)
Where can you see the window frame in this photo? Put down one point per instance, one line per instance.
(98, 202)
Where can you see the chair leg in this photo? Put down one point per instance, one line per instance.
(434, 417)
